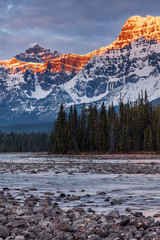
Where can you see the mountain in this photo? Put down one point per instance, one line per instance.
(34, 83)
(37, 54)
(124, 71)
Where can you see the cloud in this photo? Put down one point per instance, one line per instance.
(78, 26)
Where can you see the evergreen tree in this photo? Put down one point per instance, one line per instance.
(82, 129)
(111, 123)
(104, 134)
(158, 131)
(73, 129)
(135, 127)
(90, 130)
(59, 141)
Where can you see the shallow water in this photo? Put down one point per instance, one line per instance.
(38, 157)
(138, 192)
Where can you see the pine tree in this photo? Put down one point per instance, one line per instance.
(124, 140)
(59, 145)
(150, 139)
(90, 133)
(104, 134)
(158, 131)
(73, 129)
(111, 123)
(82, 129)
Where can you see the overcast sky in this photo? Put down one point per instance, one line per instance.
(68, 26)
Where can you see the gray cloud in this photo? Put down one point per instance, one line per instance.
(77, 26)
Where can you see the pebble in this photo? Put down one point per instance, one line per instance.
(103, 167)
(4, 232)
(44, 220)
(40, 218)
(20, 238)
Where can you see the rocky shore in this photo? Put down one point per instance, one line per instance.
(27, 212)
(40, 219)
(101, 164)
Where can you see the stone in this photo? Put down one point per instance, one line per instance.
(45, 202)
(151, 236)
(80, 236)
(62, 195)
(125, 221)
(74, 198)
(45, 235)
(128, 209)
(101, 193)
(94, 237)
(4, 232)
(5, 189)
(20, 238)
(113, 214)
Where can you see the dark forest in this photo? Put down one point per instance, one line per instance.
(135, 127)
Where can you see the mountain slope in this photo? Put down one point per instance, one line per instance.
(133, 29)
(140, 61)
(33, 84)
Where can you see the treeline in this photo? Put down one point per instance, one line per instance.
(133, 128)
(24, 142)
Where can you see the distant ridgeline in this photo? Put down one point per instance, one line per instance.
(134, 127)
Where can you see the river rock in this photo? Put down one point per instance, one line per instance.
(74, 198)
(45, 202)
(2, 218)
(62, 195)
(45, 235)
(113, 214)
(94, 237)
(125, 221)
(80, 236)
(151, 236)
(20, 238)
(4, 233)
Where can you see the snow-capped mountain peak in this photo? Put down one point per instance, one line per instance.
(33, 84)
(37, 54)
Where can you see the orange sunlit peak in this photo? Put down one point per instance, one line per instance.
(135, 27)
(135, 17)
(14, 60)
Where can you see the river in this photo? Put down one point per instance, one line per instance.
(99, 192)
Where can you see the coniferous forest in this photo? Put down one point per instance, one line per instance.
(24, 142)
(135, 127)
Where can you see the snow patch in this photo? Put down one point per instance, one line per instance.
(39, 93)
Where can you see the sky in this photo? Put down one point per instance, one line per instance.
(68, 26)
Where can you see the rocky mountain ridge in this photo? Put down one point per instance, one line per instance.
(34, 83)
(37, 54)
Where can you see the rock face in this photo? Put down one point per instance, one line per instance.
(124, 71)
(37, 54)
(34, 83)
(137, 27)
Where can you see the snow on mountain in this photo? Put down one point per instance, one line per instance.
(38, 92)
(114, 69)
(34, 83)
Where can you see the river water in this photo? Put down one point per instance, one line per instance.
(100, 192)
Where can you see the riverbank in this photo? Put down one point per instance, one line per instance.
(40, 219)
(100, 164)
(57, 197)
(131, 155)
